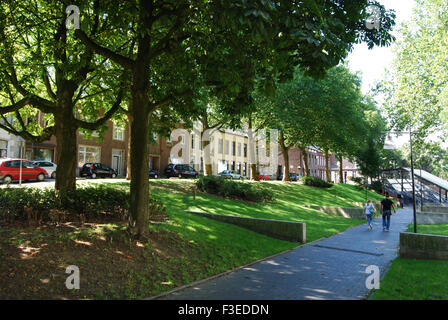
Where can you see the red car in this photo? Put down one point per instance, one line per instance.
(263, 177)
(10, 170)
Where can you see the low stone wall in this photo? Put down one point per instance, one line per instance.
(435, 208)
(376, 204)
(423, 246)
(284, 230)
(432, 217)
(352, 213)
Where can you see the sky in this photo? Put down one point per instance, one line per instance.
(372, 63)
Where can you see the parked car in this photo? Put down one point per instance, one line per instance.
(292, 177)
(180, 171)
(49, 166)
(95, 170)
(231, 174)
(263, 177)
(153, 173)
(10, 170)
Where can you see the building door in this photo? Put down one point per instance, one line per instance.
(117, 161)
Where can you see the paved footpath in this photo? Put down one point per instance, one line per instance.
(332, 268)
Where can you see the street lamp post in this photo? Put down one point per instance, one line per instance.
(412, 174)
(413, 183)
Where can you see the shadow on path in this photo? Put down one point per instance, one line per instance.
(331, 268)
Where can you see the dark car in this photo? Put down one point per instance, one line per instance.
(292, 177)
(95, 170)
(153, 173)
(180, 171)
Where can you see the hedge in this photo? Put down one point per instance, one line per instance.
(315, 182)
(233, 189)
(85, 203)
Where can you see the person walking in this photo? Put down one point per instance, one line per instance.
(386, 208)
(369, 210)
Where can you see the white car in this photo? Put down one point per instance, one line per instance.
(49, 166)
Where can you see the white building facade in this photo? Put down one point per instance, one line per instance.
(9, 145)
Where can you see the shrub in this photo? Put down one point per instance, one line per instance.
(19, 203)
(233, 189)
(84, 203)
(315, 182)
(358, 180)
(377, 186)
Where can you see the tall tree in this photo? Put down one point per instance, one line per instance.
(206, 44)
(416, 88)
(43, 69)
(368, 155)
(327, 113)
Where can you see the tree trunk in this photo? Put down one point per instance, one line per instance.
(66, 155)
(305, 161)
(252, 155)
(285, 152)
(207, 159)
(65, 132)
(327, 166)
(205, 139)
(128, 159)
(341, 170)
(139, 204)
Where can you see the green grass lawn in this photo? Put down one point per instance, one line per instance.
(288, 205)
(412, 279)
(186, 248)
(440, 229)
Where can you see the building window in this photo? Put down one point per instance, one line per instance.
(88, 155)
(245, 169)
(3, 148)
(192, 141)
(239, 149)
(42, 154)
(227, 147)
(245, 150)
(233, 148)
(118, 133)
(220, 142)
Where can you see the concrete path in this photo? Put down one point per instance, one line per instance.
(332, 268)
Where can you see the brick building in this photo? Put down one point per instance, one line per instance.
(230, 150)
(316, 164)
(111, 149)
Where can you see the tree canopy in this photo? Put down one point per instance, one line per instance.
(417, 87)
(160, 54)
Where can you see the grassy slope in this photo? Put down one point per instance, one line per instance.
(288, 205)
(185, 249)
(411, 279)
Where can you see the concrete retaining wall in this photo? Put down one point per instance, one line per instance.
(376, 204)
(423, 246)
(435, 208)
(284, 230)
(353, 213)
(432, 218)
